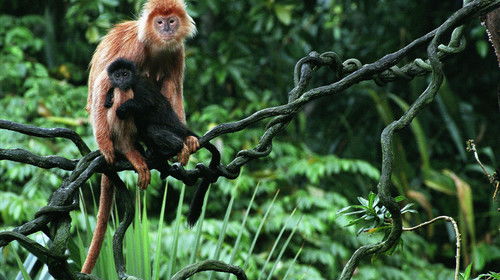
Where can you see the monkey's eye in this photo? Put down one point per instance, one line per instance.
(171, 21)
(160, 22)
(125, 74)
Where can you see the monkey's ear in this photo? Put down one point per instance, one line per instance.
(121, 63)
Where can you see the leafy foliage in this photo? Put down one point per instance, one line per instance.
(241, 61)
(372, 216)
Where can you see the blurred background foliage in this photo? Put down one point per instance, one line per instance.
(241, 61)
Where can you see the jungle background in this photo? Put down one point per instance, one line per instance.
(240, 61)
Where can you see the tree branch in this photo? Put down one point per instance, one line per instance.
(209, 265)
(47, 133)
(457, 236)
(348, 72)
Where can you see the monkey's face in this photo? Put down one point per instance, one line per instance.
(171, 29)
(166, 26)
(122, 78)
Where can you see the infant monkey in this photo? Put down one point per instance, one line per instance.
(158, 127)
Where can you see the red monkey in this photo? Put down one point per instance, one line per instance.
(155, 43)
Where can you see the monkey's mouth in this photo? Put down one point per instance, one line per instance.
(168, 38)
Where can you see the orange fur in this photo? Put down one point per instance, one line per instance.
(101, 223)
(123, 135)
(123, 132)
(156, 57)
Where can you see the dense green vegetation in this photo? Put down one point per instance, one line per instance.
(241, 61)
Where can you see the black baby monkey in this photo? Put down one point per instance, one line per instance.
(158, 126)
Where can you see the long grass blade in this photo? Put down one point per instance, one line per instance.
(144, 229)
(236, 246)
(278, 259)
(402, 167)
(20, 265)
(173, 249)
(275, 244)
(292, 263)
(137, 244)
(81, 246)
(418, 131)
(161, 222)
(257, 234)
(452, 128)
(199, 226)
(222, 233)
(90, 229)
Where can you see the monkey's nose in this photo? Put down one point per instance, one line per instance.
(171, 25)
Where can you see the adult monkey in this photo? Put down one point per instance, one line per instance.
(155, 43)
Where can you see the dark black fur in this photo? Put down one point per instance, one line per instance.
(157, 124)
(122, 75)
(109, 98)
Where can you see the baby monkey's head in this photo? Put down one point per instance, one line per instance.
(122, 73)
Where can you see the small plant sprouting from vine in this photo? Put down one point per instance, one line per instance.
(371, 215)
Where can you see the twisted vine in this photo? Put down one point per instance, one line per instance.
(54, 219)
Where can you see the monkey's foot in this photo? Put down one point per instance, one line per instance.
(140, 167)
(183, 155)
(144, 178)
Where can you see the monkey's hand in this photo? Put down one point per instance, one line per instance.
(121, 112)
(108, 104)
(192, 143)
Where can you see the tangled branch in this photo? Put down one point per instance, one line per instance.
(457, 237)
(493, 178)
(54, 219)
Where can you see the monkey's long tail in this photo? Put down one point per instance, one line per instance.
(105, 201)
(199, 195)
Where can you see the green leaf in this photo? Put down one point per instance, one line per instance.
(467, 272)
(92, 34)
(438, 181)
(20, 265)
(452, 127)
(363, 201)
(284, 13)
(112, 3)
(482, 48)
(15, 51)
(465, 199)
(399, 198)
(418, 131)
